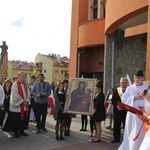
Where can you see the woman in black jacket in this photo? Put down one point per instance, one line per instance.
(59, 114)
(98, 112)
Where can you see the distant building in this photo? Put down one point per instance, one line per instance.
(53, 66)
(16, 66)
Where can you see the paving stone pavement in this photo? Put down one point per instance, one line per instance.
(46, 140)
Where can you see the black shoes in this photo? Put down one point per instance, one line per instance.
(115, 141)
(82, 130)
(38, 131)
(66, 133)
(23, 134)
(17, 135)
(60, 138)
(44, 129)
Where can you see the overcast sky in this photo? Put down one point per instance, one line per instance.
(30, 27)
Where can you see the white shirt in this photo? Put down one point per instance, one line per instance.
(16, 99)
(133, 123)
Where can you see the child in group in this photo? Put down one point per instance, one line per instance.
(86, 98)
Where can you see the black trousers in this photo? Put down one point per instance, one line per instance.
(84, 121)
(40, 114)
(2, 116)
(119, 118)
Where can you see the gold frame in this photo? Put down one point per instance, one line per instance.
(80, 101)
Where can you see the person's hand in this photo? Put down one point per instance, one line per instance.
(44, 93)
(118, 107)
(139, 96)
(109, 102)
(38, 95)
(84, 102)
(142, 117)
(142, 108)
(92, 114)
(25, 103)
(1, 105)
(64, 112)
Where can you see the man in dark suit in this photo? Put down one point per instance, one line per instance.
(119, 114)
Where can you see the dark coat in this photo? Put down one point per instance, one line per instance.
(99, 115)
(115, 99)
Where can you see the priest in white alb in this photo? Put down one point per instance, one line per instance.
(134, 97)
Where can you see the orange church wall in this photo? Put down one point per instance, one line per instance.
(83, 10)
(136, 30)
(92, 60)
(148, 47)
(74, 38)
(91, 33)
(119, 11)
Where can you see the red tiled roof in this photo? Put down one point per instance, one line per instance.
(59, 61)
(22, 65)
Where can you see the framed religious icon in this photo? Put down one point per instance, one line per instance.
(80, 96)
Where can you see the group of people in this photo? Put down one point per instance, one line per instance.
(137, 96)
(19, 99)
(25, 102)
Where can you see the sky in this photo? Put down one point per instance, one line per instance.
(30, 27)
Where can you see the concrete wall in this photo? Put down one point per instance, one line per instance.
(129, 56)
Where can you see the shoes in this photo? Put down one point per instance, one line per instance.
(38, 131)
(115, 141)
(58, 139)
(81, 130)
(44, 129)
(17, 135)
(66, 133)
(109, 127)
(84, 130)
(62, 138)
(91, 134)
(23, 134)
(94, 141)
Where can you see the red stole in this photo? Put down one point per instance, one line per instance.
(20, 92)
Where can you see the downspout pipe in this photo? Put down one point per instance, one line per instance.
(112, 67)
(78, 69)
